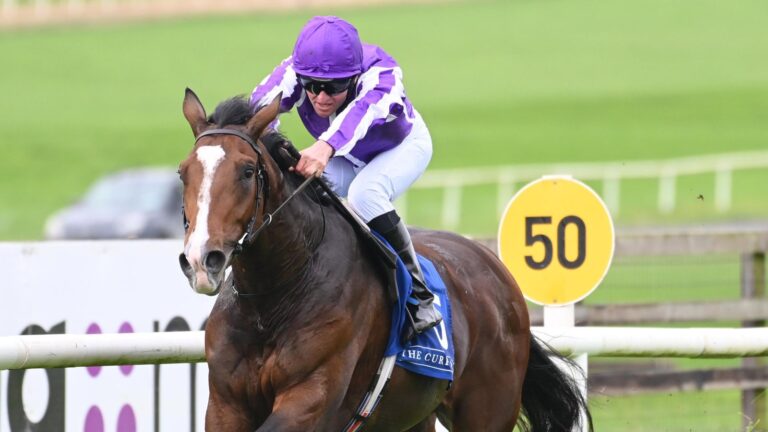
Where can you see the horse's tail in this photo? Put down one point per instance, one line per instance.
(551, 398)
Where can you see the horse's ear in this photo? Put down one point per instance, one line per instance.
(194, 112)
(264, 117)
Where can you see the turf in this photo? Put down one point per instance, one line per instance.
(499, 82)
(712, 411)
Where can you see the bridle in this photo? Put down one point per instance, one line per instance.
(261, 184)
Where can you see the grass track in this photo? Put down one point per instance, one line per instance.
(499, 82)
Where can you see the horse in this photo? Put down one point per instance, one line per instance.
(297, 334)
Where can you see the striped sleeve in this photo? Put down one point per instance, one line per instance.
(282, 79)
(381, 96)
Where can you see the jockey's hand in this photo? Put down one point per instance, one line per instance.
(314, 159)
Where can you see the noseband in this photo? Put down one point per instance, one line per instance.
(261, 185)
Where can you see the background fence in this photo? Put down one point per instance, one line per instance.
(506, 179)
(676, 302)
(699, 301)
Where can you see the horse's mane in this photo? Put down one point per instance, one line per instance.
(237, 111)
(233, 111)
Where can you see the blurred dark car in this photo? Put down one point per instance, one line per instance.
(136, 203)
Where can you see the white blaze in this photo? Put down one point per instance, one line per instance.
(209, 157)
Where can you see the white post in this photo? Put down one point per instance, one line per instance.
(667, 191)
(505, 189)
(565, 316)
(612, 192)
(723, 189)
(451, 206)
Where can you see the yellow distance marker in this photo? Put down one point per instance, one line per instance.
(556, 237)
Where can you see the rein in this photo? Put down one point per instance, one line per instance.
(249, 236)
(265, 223)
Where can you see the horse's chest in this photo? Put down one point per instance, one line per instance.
(244, 374)
(254, 372)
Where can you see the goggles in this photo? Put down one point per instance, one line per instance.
(330, 87)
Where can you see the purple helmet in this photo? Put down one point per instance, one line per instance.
(328, 47)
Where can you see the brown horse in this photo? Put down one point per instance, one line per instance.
(297, 335)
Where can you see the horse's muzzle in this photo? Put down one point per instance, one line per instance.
(207, 276)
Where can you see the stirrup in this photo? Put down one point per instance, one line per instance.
(411, 330)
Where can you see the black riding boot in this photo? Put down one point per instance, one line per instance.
(424, 314)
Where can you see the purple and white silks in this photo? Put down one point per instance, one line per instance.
(377, 118)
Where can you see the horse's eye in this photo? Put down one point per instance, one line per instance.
(248, 173)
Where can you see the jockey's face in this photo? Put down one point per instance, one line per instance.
(325, 104)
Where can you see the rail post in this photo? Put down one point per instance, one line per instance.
(565, 317)
(753, 401)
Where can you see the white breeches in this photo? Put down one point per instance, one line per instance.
(371, 189)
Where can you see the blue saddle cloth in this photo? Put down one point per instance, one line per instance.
(430, 353)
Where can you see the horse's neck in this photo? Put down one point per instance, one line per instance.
(276, 272)
(282, 253)
(302, 269)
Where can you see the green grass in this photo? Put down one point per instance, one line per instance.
(712, 411)
(499, 82)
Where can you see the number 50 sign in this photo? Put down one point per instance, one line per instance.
(556, 238)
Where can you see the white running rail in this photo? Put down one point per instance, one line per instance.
(70, 350)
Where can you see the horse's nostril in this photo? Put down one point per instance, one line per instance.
(214, 261)
(186, 267)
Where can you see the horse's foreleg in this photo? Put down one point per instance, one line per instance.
(304, 408)
(427, 425)
(314, 403)
(224, 417)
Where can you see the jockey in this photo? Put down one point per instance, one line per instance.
(371, 143)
